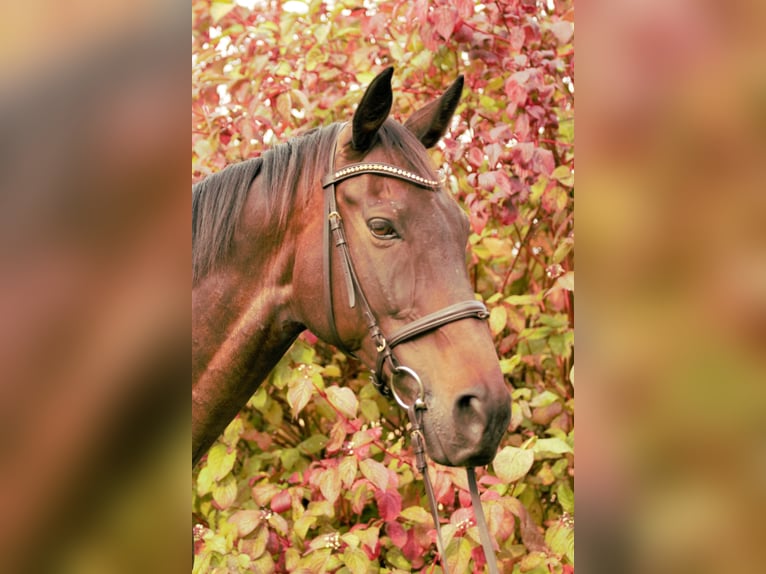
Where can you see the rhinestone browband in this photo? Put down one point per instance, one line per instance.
(380, 169)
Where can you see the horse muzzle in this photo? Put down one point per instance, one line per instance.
(467, 430)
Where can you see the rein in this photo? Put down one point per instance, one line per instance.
(333, 231)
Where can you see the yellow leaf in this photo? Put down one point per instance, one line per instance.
(220, 8)
(498, 318)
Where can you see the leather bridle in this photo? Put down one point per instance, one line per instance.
(333, 231)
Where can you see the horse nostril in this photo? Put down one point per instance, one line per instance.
(470, 408)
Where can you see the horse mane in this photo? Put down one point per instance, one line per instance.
(217, 200)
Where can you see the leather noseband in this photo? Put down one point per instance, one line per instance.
(334, 231)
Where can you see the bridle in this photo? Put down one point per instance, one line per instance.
(333, 231)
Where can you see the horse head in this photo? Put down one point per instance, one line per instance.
(406, 239)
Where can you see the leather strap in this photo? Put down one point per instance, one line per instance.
(455, 312)
(419, 448)
(378, 168)
(333, 231)
(481, 522)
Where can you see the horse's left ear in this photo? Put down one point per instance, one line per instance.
(372, 111)
(430, 122)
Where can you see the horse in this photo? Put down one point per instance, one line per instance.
(347, 231)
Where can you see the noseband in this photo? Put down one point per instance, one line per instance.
(333, 231)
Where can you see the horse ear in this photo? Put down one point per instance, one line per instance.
(372, 111)
(430, 122)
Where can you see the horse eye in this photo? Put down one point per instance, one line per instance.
(382, 228)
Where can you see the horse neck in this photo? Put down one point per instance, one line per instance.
(242, 324)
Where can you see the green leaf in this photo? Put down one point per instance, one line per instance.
(299, 392)
(263, 564)
(544, 399)
(562, 250)
(560, 538)
(459, 555)
(351, 539)
(292, 557)
(523, 299)
(395, 557)
(375, 472)
(329, 484)
(290, 457)
(551, 447)
(561, 343)
(278, 524)
(356, 561)
(316, 561)
(220, 461)
(274, 414)
(512, 464)
(369, 409)
(302, 353)
(347, 470)
(320, 508)
(416, 514)
(535, 333)
(566, 497)
(260, 398)
(313, 444)
(331, 371)
(302, 525)
(205, 481)
(498, 318)
(343, 399)
(507, 366)
(368, 536)
(233, 431)
(225, 492)
(563, 175)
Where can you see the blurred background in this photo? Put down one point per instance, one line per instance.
(672, 307)
(94, 319)
(94, 324)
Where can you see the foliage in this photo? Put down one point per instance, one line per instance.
(316, 474)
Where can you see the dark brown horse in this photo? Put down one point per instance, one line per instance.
(260, 252)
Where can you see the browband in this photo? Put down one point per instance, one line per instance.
(379, 168)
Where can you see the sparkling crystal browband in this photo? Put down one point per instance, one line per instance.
(380, 169)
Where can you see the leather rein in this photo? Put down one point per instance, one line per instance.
(333, 232)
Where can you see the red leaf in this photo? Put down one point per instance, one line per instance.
(543, 161)
(281, 502)
(493, 152)
(488, 180)
(463, 34)
(521, 127)
(412, 550)
(465, 7)
(465, 498)
(389, 504)
(479, 559)
(475, 156)
(396, 533)
(516, 93)
(444, 20)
